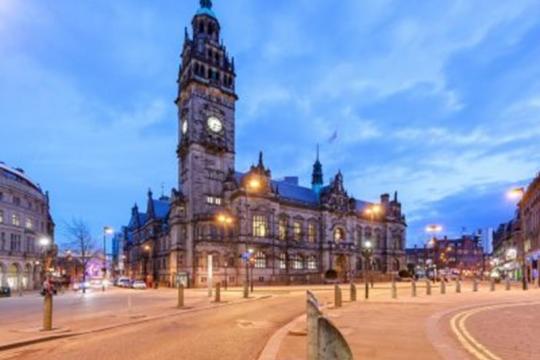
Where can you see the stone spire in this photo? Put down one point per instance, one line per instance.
(150, 208)
(206, 4)
(317, 175)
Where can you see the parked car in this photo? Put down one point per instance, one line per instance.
(80, 285)
(139, 285)
(123, 282)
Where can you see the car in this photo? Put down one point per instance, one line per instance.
(123, 283)
(139, 285)
(81, 285)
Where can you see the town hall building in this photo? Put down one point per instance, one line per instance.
(293, 234)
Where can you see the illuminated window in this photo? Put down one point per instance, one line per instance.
(260, 260)
(312, 233)
(29, 224)
(259, 226)
(218, 201)
(210, 200)
(15, 220)
(282, 261)
(1, 216)
(297, 262)
(312, 263)
(297, 231)
(339, 235)
(282, 230)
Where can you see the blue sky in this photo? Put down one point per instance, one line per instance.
(439, 100)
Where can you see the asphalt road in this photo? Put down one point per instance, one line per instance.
(232, 332)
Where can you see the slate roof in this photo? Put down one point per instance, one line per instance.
(162, 208)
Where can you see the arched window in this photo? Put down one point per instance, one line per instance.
(312, 263)
(339, 235)
(297, 230)
(297, 262)
(259, 226)
(260, 260)
(282, 229)
(201, 27)
(312, 233)
(282, 261)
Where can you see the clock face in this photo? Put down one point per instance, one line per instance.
(214, 124)
(184, 127)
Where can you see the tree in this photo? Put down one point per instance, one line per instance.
(79, 238)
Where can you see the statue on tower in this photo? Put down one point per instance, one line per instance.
(206, 4)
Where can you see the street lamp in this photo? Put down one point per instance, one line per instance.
(367, 252)
(516, 194)
(433, 230)
(225, 220)
(107, 230)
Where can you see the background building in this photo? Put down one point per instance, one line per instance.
(462, 255)
(295, 233)
(529, 208)
(24, 220)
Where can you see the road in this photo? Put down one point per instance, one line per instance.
(230, 332)
(487, 326)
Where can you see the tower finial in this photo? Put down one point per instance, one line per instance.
(206, 4)
(317, 152)
(261, 164)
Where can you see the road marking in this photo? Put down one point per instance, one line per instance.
(475, 348)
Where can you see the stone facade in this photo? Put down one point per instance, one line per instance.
(295, 233)
(529, 208)
(24, 219)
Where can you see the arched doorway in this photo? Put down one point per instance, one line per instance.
(342, 267)
(3, 280)
(395, 265)
(13, 276)
(28, 279)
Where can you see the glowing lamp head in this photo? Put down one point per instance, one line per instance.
(251, 251)
(367, 244)
(431, 229)
(147, 247)
(515, 194)
(108, 230)
(44, 241)
(254, 184)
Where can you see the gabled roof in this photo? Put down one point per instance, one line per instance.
(162, 207)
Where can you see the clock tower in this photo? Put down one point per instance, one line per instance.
(206, 114)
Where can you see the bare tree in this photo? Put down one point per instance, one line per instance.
(80, 239)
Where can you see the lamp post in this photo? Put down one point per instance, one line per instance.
(517, 194)
(147, 249)
(225, 220)
(107, 230)
(47, 288)
(253, 184)
(432, 230)
(367, 252)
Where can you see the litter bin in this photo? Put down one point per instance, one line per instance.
(5, 292)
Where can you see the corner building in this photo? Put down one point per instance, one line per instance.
(296, 233)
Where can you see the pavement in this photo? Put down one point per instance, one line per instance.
(469, 325)
(483, 325)
(76, 313)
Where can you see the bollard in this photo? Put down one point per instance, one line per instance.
(180, 296)
(428, 287)
(475, 285)
(413, 288)
(458, 286)
(508, 284)
(353, 292)
(443, 287)
(312, 319)
(366, 295)
(492, 285)
(218, 293)
(337, 296)
(331, 343)
(47, 312)
(394, 289)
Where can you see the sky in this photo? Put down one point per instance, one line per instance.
(439, 100)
